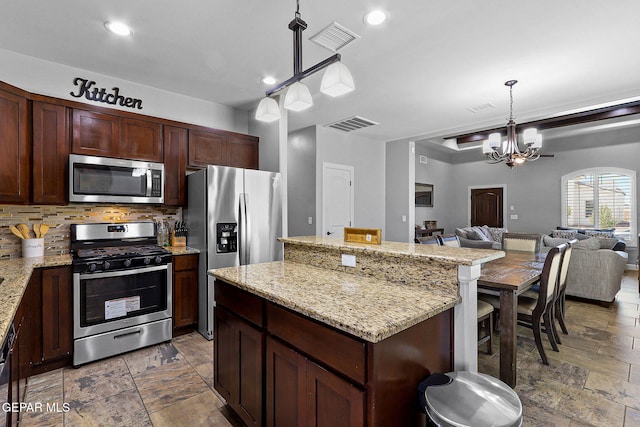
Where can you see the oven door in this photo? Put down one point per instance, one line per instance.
(113, 300)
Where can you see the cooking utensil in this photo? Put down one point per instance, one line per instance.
(24, 230)
(15, 231)
(36, 229)
(44, 228)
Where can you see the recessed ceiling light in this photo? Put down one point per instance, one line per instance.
(268, 80)
(376, 17)
(118, 28)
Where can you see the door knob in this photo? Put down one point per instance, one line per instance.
(329, 233)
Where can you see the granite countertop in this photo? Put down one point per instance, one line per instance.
(465, 256)
(182, 250)
(16, 273)
(366, 307)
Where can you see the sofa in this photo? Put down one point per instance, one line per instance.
(480, 237)
(596, 267)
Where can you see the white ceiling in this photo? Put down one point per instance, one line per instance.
(416, 75)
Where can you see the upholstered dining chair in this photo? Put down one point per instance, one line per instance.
(449, 240)
(536, 310)
(558, 306)
(525, 242)
(485, 324)
(427, 240)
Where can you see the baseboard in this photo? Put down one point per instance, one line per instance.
(633, 267)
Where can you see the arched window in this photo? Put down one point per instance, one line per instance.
(601, 199)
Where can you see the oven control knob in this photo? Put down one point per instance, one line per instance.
(106, 265)
(92, 267)
(127, 263)
(158, 259)
(147, 261)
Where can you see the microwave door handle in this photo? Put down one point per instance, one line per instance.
(148, 182)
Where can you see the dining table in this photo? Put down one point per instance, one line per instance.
(509, 277)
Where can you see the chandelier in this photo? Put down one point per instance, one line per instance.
(337, 79)
(497, 151)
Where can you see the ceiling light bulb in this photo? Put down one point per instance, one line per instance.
(268, 110)
(298, 97)
(337, 80)
(268, 80)
(376, 17)
(118, 28)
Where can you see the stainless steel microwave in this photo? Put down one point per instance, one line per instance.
(107, 180)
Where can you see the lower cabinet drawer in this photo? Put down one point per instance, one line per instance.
(333, 348)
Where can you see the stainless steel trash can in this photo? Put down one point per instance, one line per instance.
(469, 399)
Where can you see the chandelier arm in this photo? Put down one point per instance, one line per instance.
(304, 74)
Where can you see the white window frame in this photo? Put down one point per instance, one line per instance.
(633, 240)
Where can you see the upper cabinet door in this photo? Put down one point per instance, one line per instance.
(50, 153)
(175, 165)
(242, 152)
(140, 140)
(206, 148)
(15, 161)
(95, 134)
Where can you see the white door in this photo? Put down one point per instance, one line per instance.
(337, 198)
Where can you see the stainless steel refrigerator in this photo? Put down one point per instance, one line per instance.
(235, 218)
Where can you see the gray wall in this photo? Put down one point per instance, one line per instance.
(399, 191)
(367, 157)
(301, 161)
(268, 155)
(439, 173)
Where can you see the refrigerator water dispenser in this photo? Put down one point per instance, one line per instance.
(226, 237)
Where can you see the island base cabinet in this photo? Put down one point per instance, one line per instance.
(239, 357)
(302, 393)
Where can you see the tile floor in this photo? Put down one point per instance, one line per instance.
(593, 381)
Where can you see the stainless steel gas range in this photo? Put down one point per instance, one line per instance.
(121, 289)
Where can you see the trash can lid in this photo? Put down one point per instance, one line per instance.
(473, 399)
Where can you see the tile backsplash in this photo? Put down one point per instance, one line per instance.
(57, 240)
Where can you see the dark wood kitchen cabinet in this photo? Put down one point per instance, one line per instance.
(300, 392)
(50, 153)
(238, 363)
(175, 165)
(52, 318)
(185, 293)
(222, 148)
(15, 140)
(101, 134)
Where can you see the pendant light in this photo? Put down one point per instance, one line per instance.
(336, 81)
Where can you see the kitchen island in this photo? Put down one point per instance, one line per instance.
(308, 338)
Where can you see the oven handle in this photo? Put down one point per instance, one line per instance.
(136, 332)
(120, 273)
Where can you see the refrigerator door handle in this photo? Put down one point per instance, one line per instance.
(242, 231)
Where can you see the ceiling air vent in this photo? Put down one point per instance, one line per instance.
(334, 37)
(481, 107)
(351, 124)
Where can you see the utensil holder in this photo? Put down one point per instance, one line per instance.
(32, 248)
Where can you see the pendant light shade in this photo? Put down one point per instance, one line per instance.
(298, 97)
(337, 80)
(268, 110)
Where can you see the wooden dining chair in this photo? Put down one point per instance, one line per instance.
(485, 324)
(558, 306)
(537, 312)
(449, 240)
(526, 242)
(427, 240)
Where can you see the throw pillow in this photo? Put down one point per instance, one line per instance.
(595, 233)
(553, 241)
(461, 232)
(480, 232)
(588, 244)
(564, 234)
(496, 233)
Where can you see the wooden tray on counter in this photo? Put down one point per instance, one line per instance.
(363, 235)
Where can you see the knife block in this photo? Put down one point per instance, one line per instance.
(178, 241)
